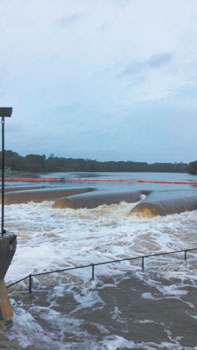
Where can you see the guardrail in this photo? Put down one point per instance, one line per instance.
(142, 258)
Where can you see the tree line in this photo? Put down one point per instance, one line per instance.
(41, 163)
(192, 168)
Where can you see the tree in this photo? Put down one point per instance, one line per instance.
(34, 162)
(192, 168)
(16, 163)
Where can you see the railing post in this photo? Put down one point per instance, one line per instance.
(30, 283)
(143, 263)
(92, 272)
(185, 256)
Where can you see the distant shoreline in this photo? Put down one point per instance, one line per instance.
(33, 163)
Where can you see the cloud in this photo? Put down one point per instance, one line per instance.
(162, 59)
(78, 74)
(154, 62)
(68, 21)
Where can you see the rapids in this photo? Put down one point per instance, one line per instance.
(123, 308)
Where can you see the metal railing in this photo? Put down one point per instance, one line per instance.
(142, 258)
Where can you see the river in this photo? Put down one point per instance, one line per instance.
(123, 307)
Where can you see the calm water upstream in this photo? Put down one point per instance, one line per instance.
(123, 308)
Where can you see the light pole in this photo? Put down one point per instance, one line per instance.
(4, 112)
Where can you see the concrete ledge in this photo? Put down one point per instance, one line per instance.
(7, 250)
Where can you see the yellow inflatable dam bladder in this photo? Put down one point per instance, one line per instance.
(166, 203)
(40, 195)
(94, 199)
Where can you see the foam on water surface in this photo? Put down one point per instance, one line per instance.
(67, 310)
(54, 238)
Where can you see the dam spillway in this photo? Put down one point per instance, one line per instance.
(52, 238)
(157, 202)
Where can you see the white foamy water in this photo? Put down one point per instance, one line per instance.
(68, 310)
(58, 238)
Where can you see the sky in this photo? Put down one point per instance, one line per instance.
(103, 79)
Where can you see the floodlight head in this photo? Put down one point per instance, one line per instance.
(5, 111)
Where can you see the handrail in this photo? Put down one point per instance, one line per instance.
(142, 257)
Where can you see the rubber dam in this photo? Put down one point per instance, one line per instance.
(149, 203)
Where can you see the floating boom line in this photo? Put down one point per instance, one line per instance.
(70, 179)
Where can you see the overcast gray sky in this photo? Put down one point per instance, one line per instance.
(100, 79)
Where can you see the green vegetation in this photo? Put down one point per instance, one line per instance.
(38, 163)
(192, 168)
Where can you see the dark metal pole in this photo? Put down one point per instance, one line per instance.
(30, 283)
(185, 256)
(3, 178)
(92, 272)
(143, 263)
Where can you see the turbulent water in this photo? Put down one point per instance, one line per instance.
(123, 308)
